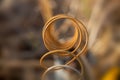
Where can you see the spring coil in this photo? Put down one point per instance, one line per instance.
(54, 46)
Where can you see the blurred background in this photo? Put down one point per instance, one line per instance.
(21, 44)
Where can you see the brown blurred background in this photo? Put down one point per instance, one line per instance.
(21, 45)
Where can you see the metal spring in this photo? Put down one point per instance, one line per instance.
(75, 43)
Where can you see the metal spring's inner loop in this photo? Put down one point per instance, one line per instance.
(63, 49)
(49, 40)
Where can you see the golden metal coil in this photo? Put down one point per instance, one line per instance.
(63, 49)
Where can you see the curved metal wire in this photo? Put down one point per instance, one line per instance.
(54, 46)
(58, 67)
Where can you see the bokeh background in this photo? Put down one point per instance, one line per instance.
(21, 44)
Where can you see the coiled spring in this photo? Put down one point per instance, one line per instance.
(76, 46)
